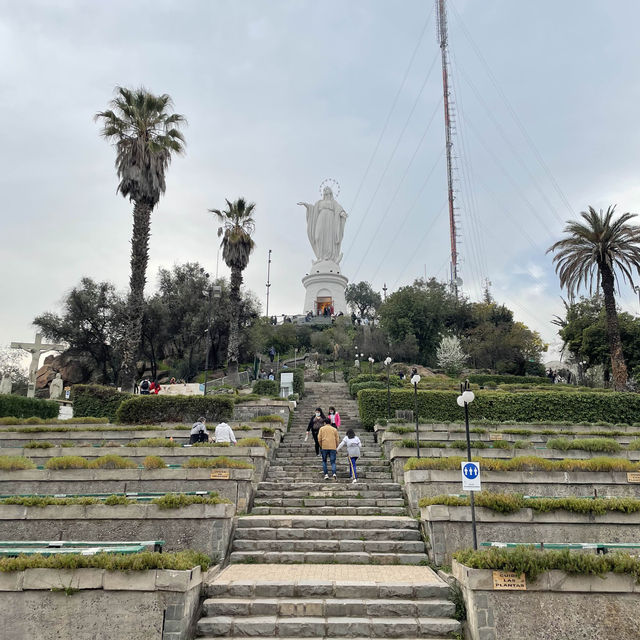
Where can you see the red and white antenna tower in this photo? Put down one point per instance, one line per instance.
(449, 124)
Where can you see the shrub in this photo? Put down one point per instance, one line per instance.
(525, 463)
(298, 381)
(481, 378)
(96, 400)
(522, 444)
(115, 500)
(21, 407)
(154, 462)
(112, 461)
(501, 444)
(268, 418)
(533, 562)
(220, 461)
(634, 445)
(66, 462)
(15, 463)
(177, 500)
(441, 406)
(601, 445)
(47, 501)
(38, 444)
(154, 442)
(396, 429)
(462, 444)
(156, 409)
(266, 388)
(143, 561)
(266, 431)
(252, 442)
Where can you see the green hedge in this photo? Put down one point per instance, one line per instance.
(298, 381)
(441, 406)
(96, 400)
(156, 409)
(21, 407)
(482, 378)
(266, 388)
(374, 381)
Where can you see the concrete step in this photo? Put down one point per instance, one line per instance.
(329, 502)
(292, 479)
(321, 557)
(321, 486)
(331, 534)
(329, 546)
(329, 607)
(331, 491)
(330, 511)
(321, 627)
(326, 522)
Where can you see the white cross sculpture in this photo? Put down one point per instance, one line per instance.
(35, 349)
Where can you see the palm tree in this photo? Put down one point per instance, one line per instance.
(145, 134)
(600, 247)
(237, 225)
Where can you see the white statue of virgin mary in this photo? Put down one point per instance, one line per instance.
(325, 227)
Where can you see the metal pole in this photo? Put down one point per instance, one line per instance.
(415, 411)
(268, 281)
(472, 497)
(206, 362)
(388, 394)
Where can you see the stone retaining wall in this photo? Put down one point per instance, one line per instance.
(243, 412)
(238, 488)
(201, 527)
(557, 606)
(104, 605)
(448, 529)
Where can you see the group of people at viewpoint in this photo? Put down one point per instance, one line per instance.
(324, 430)
(222, 433)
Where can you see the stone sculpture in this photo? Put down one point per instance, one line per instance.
(35, 349)
(5, 385)
(56, 388)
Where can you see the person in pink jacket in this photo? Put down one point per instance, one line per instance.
(334, 416)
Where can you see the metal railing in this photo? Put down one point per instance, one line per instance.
(212, 385)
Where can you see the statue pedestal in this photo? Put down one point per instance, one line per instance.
(323, 287)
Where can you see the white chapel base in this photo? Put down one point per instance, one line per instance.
(321, 286)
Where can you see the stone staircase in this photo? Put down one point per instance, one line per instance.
(327, 559)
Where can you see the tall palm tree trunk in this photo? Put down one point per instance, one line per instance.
(618, 366)
(137, 280)
(233, 351)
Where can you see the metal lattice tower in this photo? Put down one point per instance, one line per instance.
(449, 127)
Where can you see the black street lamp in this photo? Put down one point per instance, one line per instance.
(414, 381)
(465, 398)
(387, 363)
(214, 292)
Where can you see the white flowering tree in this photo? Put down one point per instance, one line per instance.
(450, 355)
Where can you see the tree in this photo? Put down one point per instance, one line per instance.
(237, 225)
(362, 298)
(13, 364)
(450, 355)
(599, 248)
(145, 134)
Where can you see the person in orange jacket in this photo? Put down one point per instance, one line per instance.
(328, 440)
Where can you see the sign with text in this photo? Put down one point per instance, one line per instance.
(470, 476)
(633, 476)
(219, 474)
(509, 581)
(495, 436)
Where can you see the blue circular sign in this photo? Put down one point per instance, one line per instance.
(470, 470)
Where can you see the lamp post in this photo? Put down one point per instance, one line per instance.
(414, 381)
(214, 292)
(371, 361)
(295, 358)
(387, 363)
(465, 398)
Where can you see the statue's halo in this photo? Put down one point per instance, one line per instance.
(334, 185)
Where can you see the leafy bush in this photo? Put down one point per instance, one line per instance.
(252, 442)
(634, 445)
(298, 381)
(38, 444)
(156, 409)
(266, 388)
(115, 500)
(268, 418)
(21, 407)
(112, 461)
(221, 461)
(533, 562)
(266, 431)
(481, 378)
(601, 445)
(66, 462)
(525, 463)
(441, 406)
(354, 387)
(96, 400)
(177, 500)
(462, 444)
(154, 442)
(15, 463)
(397, 429)
(143, 561)
(47, 501)
(522, 444)
(154, 462)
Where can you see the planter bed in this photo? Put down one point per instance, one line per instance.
(100, 604)
(556, 606)
(429, 482)
(238, 488)
(448, 529)
(201, 527)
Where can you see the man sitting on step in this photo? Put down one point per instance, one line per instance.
(328, 440)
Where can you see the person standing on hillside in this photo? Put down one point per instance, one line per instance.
(315, 424)
(334, 416)
(328, 440)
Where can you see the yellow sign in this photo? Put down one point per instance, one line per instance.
(220, 474)
(633, 476)
(495, 436)
(509, 581)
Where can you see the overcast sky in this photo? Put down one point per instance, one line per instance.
(280, 95)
